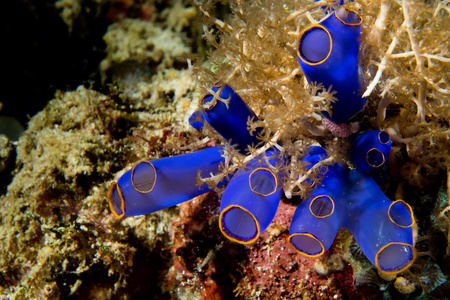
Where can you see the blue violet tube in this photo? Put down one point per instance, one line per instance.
(229, 116)
(160, 183)
(328, 54)
(249, 203)
(351, 199)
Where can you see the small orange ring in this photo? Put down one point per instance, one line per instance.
(303, 32)
(303, 253)
(380, 139)
(352, 10)
(410, 211)
(367, 158)
(231, 238)
(131, 178)
(250, 181)
(402, 269)
(321, 217)
(312, 184)
(121, 198)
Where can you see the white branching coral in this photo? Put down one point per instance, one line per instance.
(409, 46)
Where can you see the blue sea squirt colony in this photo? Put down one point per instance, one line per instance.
(340, 197)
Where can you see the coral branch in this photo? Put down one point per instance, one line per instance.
(208, 35)
(383, 64)
(412, 36)
(431, 134)
(306, 9)
(436, 87)
(442, 5)
(420, 117)
(288, 189)
(263, 149)
(218, 22)
(380, 23)
(436, 57)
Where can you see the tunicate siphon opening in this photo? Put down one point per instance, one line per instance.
(375, 158)
(395, 257)
(384, 137)
(401, 214)
(263, 182)
(348, 16)
(143, 177)
(306, 244)
(239, 225)
(314, 44)
(322, 206)
(115, 200)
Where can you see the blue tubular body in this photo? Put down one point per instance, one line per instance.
(313, 156)
(370, 150)
(353, 200)
(328, 54)
(316, 220)
(196, 120)
(230, 121)
(249, 203)
(382, 228)
(160, 183)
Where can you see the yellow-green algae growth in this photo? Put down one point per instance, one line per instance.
(54, 220)
(58, 237)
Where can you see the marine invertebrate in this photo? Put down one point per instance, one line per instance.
(289, 113)
(257, 51)
(328, 54)
(160, 183)
(228, 114)
(346, 199)
(343, 198)
(249, 202)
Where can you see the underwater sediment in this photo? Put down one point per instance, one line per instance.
(59, 237)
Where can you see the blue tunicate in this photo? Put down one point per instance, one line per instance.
(351, 199)
(249, 202)
(328, 54)
(370, 150)
(228, 115)
(160, 183)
